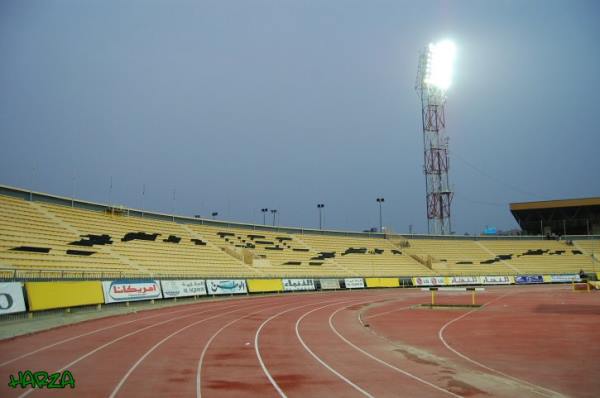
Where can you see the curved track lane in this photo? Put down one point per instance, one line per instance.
(370, 343)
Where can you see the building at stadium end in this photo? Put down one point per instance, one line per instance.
(558, 217)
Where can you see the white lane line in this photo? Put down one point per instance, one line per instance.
(89, 353)
(187, 309)
(441, 337)
(404, 372)
(335, 372)
(155, 346)
(257, 349)
(89, 334)
(209, 342)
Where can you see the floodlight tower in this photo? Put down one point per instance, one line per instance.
(433, 80)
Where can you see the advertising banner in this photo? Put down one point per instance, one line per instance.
(131, 290)
(495, 280)
(354, 283)
(382, 282)
(463, 280)
(49, 295)
(11, 298)
(429, 281)
(226, 286)
(183, 288)
(565, 278)
(264, 285)
(524, 279)
(298, 284)
(330, 284)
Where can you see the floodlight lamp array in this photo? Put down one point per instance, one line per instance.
(439, 65)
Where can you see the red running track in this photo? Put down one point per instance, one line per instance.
(538, 341)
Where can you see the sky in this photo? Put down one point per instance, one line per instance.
(233, 106)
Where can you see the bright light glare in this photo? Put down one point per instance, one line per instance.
(440, 61)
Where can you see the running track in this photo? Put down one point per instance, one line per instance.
(369, 343)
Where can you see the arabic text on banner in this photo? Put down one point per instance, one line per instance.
(226, 286)
(464, 280)
(298, 284)
(131, 290)
(183, 288)
(495, 280)
(354, 283)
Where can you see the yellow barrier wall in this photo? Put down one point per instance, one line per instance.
(382, 282)
(547, 278)
(48, 295)
(265, 285)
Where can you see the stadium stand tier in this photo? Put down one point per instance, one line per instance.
(46, 236)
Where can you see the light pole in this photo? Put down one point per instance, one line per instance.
(264, 212)
(274, 212)
(380, 201)
(433, 80)
(214, 214)
(320, 206)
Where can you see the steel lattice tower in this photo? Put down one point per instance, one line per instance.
(436, 161)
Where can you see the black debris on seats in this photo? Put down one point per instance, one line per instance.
(80, 252)
(91, 240)
(352, 250)
(32, 249)
(172, 239)
(129, 236)
(256, 236)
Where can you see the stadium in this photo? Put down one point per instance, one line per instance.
(103, 299)
(62, 254)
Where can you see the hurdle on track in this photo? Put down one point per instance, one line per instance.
(434, 291)
(582, 286)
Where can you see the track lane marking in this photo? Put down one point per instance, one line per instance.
(548, 392)
(99, 330)
(257, 349)
(89, 353)
(155, 346)
(209, 342)
(332, 370)
(382, 362)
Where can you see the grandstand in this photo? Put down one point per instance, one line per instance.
(45, 236)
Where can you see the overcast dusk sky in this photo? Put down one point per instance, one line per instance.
(240, 105)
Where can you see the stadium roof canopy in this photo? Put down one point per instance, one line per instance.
(560, 217)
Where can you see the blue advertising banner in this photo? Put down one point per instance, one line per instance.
(523, 279)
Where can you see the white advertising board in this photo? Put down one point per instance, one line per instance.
(495, 280)
(131, 290)
(330, 284)
(565, 278)
(11, 298)
(463, 280)
(428, 281)
(226, 286)
(183, 288)
(298, 284)
(354, 283)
